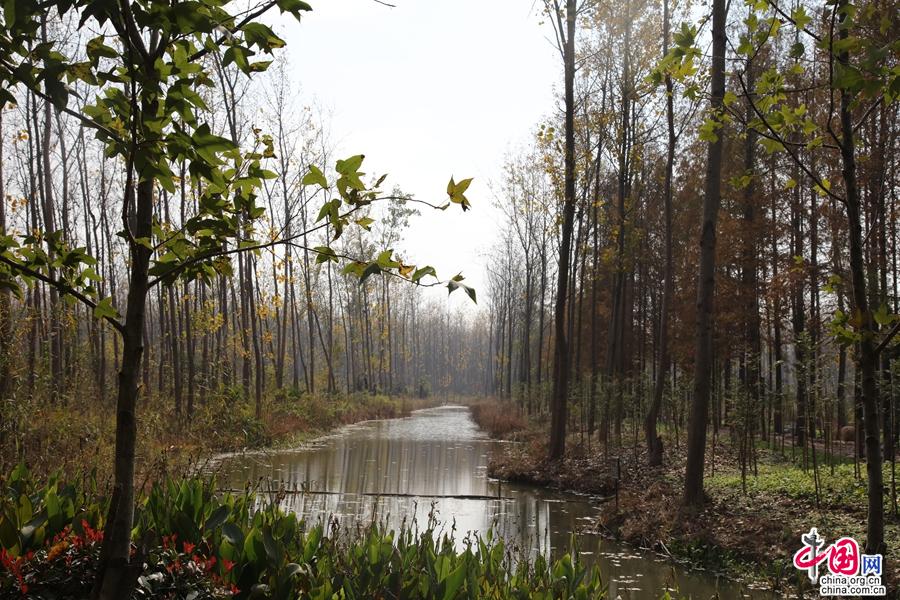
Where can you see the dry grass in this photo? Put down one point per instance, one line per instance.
(76, 438)
(501, 419)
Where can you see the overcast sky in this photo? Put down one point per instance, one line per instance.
(430, 89)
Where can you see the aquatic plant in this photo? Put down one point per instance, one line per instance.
(196, 542)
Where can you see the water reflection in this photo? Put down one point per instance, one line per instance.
(436, 462)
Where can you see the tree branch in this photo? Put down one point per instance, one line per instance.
(786, 146)
(62, 287)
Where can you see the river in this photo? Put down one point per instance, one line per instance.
(435, 462)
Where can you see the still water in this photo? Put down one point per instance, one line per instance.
(435, 461)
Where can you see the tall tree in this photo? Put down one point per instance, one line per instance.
(654, 442)
(560, 394)
(5, 299)
(706, 281)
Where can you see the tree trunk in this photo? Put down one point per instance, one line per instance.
(118, 575)
(693, 483)
(752, 350)
(654, 442)
(868, 359)
(5, 304)
(561, 350)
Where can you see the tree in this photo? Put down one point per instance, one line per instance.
(5, 303)
(147, 110)
(706, 281)
(654, 442)
(560, 395)
(857, 72)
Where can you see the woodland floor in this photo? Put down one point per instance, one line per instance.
(749, 532)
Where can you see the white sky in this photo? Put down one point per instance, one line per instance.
(426, 90)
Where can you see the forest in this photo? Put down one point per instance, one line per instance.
(688, 314)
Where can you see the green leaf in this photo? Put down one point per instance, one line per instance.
(454, 284)
(204, 138)
(420, 273)
(329, 209)
(312, 544)
(882, 316)
(237, 55)
(349, 166)
(456, 191)
(371, 269)
(741, 182)
(233, 534)
(105, 310)
(800, 18)
(385, 260)
(771, 146)
(261, 36)
(324, 254)
(217, 518)
(295, 7)
(9, 536)
(350, 176)
(708, 129)
(355, 268)
(454, 581)
(315, 177)
(271, 546)
(824, 188)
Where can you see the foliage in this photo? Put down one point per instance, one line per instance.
(145, 105)
(199, 543)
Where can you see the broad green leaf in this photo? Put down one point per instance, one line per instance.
(420, 273)
(105, 310)
(365, 223)
(233, 534)
(371, 269)
(883, 316)
(295, 7)
(315, 177)
(457, 191)
(454, 581)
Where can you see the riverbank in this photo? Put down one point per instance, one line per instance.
(748, 529)
(75, 440)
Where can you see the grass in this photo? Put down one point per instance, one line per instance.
(788, 493)
(842, 489)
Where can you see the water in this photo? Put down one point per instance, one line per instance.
(435, 461)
